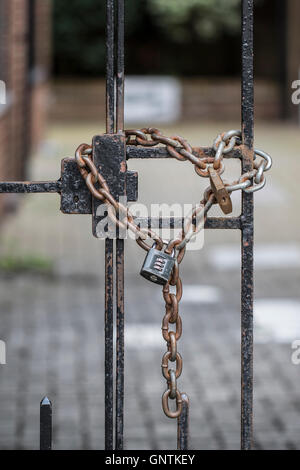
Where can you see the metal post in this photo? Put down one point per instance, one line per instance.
(247, 230)
(120, 346)
(120, 243)
(120, 65)
(183, 424)
(109, 249)
(45, 424)
(109, 347)
(110, 73)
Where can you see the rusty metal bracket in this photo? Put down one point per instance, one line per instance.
(76, 197)
(109, 157)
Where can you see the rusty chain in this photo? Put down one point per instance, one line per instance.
(172, 317)
(178, 148)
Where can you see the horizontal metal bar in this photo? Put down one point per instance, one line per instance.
(233, 223)
(161, 152)
(30, 186)
(229, 223)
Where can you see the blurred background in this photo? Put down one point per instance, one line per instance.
(183, 75)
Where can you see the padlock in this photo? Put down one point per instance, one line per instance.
(158, 266)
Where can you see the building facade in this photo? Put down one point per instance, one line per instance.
(25, 50)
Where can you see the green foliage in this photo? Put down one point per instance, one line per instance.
(154, 30)
(184, 19)
(29, 263)
(75, 45)
(79, 34)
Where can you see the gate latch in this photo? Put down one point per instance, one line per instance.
(220, 191)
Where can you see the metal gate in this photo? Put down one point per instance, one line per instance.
(110, 153)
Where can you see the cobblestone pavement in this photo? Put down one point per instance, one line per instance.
(52, 323)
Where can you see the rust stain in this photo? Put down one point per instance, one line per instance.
(123, 167)
(202, 152)
(248, 156)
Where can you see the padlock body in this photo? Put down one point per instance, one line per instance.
(158, 266)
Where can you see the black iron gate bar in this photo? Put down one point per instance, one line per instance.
(247, 219)
(76, 199)
(109, 244)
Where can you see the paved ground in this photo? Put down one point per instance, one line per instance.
(52, 322)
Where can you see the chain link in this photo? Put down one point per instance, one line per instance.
(224, 144)
(171, 336)
(178, 148)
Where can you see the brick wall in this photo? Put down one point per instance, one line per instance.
(24, 66)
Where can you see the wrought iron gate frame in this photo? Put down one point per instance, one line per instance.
(115, 122)
(114, 250)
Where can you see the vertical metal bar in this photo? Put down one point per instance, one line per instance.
(109, 248)
(120, 65)
(110, 72)
(45, 424)
(183, 424)
(120, 346)
(247, 230)
(119, 438)
(109, 346)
